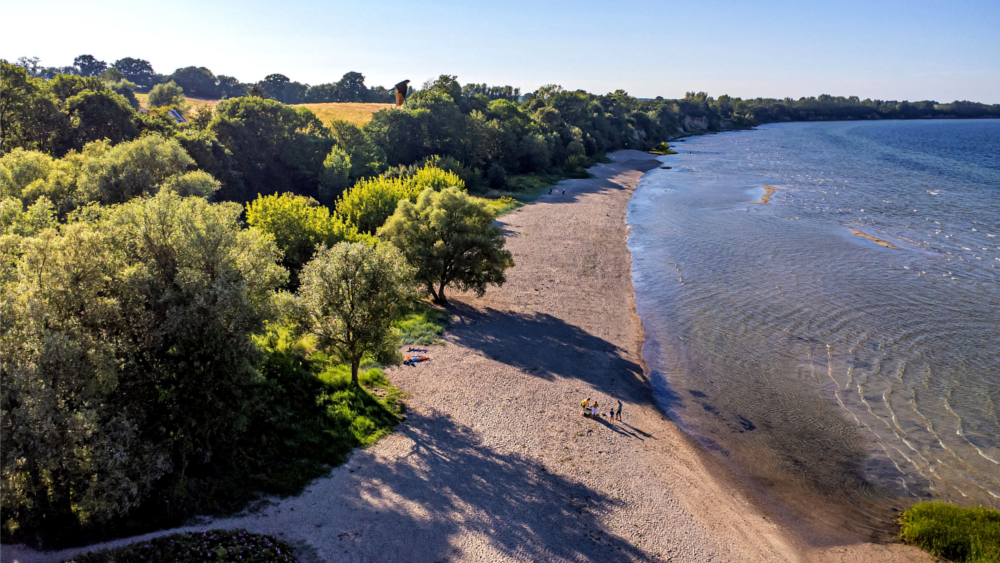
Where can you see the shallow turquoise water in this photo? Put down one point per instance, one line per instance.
(814, 359)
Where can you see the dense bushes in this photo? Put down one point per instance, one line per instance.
(956, 533)
(196, 547)
(298, 224)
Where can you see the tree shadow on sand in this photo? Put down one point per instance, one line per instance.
(548, 347)
(412, 508)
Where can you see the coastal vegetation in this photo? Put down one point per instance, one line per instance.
(198, 313)
(192, 547)
(957, 533)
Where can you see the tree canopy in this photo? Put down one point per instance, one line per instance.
(451, 240)
(351, 294)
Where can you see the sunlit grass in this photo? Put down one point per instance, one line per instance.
(358, 114)
(957, 533)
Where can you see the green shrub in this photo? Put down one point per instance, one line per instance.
(957, 533)
(196, 547)
(662, 149)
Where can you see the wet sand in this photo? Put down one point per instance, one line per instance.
(876, 240)
(495, 462)
(766, 198)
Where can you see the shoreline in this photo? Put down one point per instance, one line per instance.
(494, 461)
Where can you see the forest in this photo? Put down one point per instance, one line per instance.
(170, 344)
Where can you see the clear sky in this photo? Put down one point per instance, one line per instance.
(912, 50)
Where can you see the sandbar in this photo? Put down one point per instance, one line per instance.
(876, 240)
(768, 192)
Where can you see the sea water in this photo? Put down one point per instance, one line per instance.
(814, 360)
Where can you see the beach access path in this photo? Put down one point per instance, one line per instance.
(495, 462)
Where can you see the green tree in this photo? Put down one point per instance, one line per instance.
(29, 115)
(124, 171)
(298, 224)
(366, 158)
(128, 357)
(351, 294)
(197, 82)
(138, 71)
(275, 148)
(88, 65)
(167, 94)
(351, 88)
(336, 175)
(451, 240)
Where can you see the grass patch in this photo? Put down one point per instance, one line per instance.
(500, 206)
(196, 547)
(358, 114)
(195, 103)
(663, 149)
(423, 326)
(958, 533)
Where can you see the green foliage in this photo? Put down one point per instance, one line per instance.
(423, 325)
(336, 174)
(351, 295)
(298, 224)
(197, 82)
(366, 158)
(29, 114)
(128, 358)
(956, 533)
(167, 94)
(117, 174)
(103, 173)
(370, 202)
(138, 71)
(662, 149)
(196, 547)
(275, 148)
(450, 239)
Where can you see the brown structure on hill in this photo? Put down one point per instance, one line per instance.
(401, 89)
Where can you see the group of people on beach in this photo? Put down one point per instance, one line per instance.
(594, 410)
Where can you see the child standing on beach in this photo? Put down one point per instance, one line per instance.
(611, 415)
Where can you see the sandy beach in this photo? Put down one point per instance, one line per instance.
(494, 461)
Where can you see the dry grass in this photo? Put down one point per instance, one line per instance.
(195, 103)
(358, 114)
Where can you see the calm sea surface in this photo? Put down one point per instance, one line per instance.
(816, 361)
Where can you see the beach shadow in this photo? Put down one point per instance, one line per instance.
(548, 347)
(450, 483)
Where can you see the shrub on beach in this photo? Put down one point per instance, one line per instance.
(957, 533)
(196, 547)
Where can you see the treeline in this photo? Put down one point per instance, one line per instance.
(254, 145)
(833, 108)
(202, 83)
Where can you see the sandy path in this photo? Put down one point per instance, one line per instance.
(495, 462)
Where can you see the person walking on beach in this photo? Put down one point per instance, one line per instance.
(618, 414)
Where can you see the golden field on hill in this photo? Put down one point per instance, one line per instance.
(358, 114)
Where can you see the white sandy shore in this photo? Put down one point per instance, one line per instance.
(495, 461)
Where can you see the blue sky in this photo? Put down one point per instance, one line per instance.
(890, 50)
